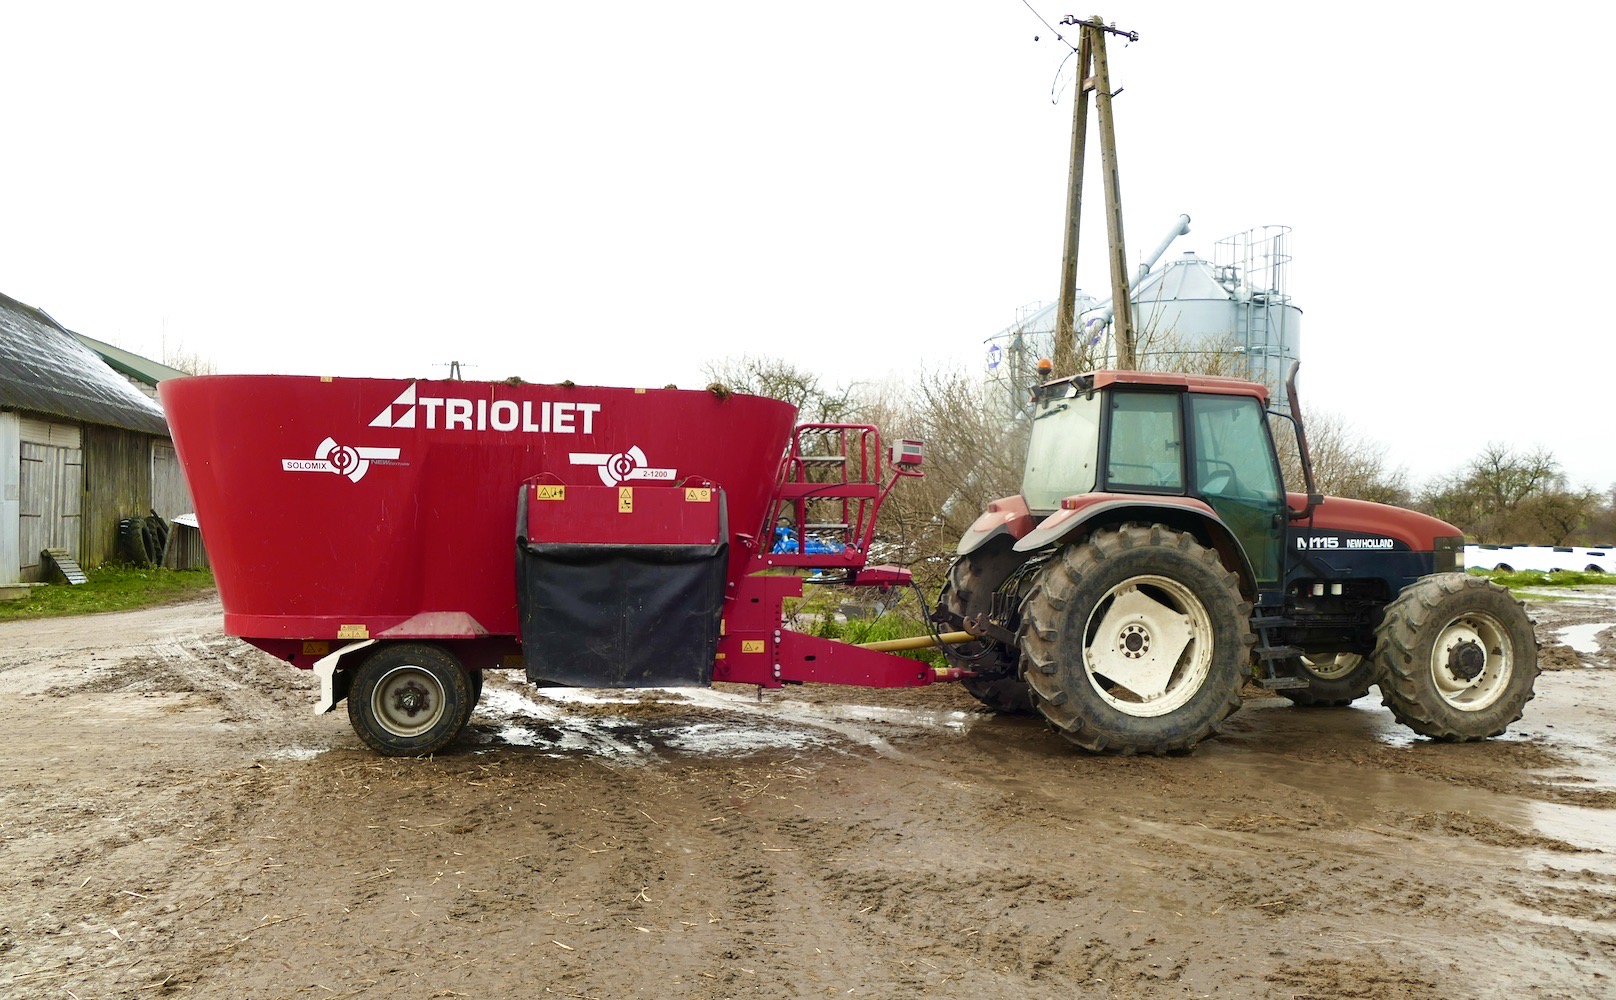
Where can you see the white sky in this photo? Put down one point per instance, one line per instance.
(614, 193)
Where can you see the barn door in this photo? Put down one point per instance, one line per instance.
(52, 493)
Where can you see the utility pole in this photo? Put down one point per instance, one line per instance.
(1094, 76)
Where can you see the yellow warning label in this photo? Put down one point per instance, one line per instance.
(751, 645)
(625, 499)
(551, 492)
(316, 647)
(701, 494)
(352, 632)
(722, 625)
(512, 660)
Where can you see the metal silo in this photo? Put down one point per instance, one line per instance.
(1232, 315)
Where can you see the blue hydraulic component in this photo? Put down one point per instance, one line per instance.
(785, 541)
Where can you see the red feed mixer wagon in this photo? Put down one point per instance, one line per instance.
(400, 537)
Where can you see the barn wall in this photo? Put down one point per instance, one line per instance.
(117, 484)
(10, 499)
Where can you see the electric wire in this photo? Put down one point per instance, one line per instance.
(1058, 36)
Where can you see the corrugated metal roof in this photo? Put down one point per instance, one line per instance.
(44, 369)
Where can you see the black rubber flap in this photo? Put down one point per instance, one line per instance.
(640, 613)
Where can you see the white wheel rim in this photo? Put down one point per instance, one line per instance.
(1332, 668)
(407, 701)
(1471, 662)
(1148, 646)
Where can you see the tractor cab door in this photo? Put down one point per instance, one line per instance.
(1233, 469)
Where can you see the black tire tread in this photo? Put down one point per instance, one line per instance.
(998, 685)
(1331, 693)
(1402, 668)
(1058, 585)
(458, 691)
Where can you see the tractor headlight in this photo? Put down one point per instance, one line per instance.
(1449, 554)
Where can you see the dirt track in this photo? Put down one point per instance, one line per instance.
(174, 821)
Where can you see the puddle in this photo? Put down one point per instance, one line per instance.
(1584, 638)
(295, 753)
(675, 721)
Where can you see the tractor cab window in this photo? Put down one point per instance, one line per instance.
(1232, 455)
(1146, 450)
(1061, 451)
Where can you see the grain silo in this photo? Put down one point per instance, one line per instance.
(1231, 315)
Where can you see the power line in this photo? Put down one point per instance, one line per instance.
(1051, 27)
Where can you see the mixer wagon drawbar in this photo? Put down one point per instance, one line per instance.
(401, 537)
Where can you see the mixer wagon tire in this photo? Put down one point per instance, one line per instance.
(409, 700)
(475, 679)
(1136, 641)
(996, 683)
(1332, 681)
(1455, 657)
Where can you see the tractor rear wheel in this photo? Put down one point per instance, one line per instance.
(1136, 641)
(1456, 657)
(996, 684)
(409, 700)
(1332, 680)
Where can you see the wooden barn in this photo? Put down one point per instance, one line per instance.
(80, 448)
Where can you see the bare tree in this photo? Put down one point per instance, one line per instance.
(780, 379)
(188, 361)
(974, 455)
(1506, 496)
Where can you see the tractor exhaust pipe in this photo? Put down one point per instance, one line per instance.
(1314, 497)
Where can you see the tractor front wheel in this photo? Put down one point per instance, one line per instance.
(409, 700)
(1456, 658)
(1136, 641)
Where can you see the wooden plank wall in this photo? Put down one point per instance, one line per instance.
(117, 484)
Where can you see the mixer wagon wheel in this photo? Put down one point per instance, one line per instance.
(409, 699)
(1332, 680)
(1455, 657)
(996, 683)
(1136, 641)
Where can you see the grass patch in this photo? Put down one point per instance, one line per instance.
(111, 588)
(892, 625)
(1537, 579)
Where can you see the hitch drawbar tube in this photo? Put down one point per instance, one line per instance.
(918, 642)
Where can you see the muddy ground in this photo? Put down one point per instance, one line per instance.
(175, 821)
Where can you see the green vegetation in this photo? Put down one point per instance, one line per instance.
(820, 613)
(1531, 578)
(111, 588)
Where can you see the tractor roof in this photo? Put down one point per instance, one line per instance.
(1171, 380)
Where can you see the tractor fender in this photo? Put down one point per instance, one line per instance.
(1004, 518)
(1081, 515)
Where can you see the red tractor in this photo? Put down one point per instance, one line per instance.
(1153, 561)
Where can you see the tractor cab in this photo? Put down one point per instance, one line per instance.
(1161, 437)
